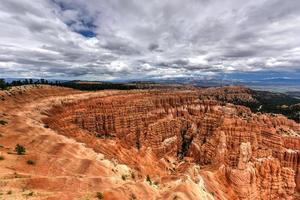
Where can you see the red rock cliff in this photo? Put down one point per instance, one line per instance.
(258, 153)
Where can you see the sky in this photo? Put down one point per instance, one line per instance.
(149, 39)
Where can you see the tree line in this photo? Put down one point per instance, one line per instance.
(89, 86)
(4, 85)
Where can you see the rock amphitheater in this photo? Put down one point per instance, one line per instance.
(145, 144)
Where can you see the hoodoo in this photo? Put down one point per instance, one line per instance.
(146, 144)
(194, 130)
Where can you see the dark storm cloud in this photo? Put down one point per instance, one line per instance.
(153, 47)
(120, 48)
(236, 53)
(136, 39)
(174, 63)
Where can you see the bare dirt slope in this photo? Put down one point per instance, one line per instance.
(64, 168)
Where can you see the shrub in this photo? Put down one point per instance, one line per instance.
(1, 157)
(30, 162)
(132, 196)
(124, 177)
(16, 175)
(20, 149)
(9, 192)
(175, 197)
(3, 122)
(99, 195)
(148, 179)
(138, 145)
(132, 175)
(30, 194)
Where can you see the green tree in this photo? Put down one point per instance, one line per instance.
(20, 149)
(99, 195)
(30, 162)
(2, 84)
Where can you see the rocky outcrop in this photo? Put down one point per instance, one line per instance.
(262, 178)
(275, 181)
(243, 178)
(260, 152)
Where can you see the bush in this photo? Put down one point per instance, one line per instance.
(132, 196)
(1, 157)
(124, 177)
(3, 122)
(30, 194)
(20, 149)
(156, 183)
(148, 179)
(132, 175)
(30, 162)
(99, 195)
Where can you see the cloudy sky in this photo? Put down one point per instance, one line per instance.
(137, 39)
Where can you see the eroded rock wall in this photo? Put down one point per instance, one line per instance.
(189, 124)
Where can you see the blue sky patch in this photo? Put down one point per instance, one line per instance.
(87, 33)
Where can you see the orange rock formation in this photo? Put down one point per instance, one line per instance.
(190, 144)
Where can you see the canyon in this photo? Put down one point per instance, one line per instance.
(183, 143)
